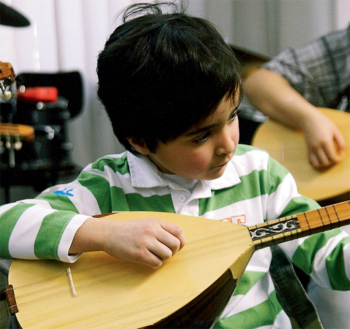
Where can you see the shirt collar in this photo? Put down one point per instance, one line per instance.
(145, 174)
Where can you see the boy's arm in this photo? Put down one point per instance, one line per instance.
(47, 226)
(148, 241)
(275, 97)
(45, 233)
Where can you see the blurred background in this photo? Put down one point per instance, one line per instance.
(65, 36)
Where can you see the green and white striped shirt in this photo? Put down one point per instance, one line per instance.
(253, 189)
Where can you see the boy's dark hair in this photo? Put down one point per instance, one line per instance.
(162, 73)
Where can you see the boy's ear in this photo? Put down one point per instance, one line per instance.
(139, 145)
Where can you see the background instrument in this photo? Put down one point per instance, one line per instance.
(188, 291)
(45, 102)
(11, 136)
(288, 146)
(7, 77)
(24, 132)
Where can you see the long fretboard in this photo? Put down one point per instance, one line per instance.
(296, 226)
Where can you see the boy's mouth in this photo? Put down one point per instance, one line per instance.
(222, 165)
(228, 159)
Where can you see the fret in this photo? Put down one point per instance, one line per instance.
(324, 219)
(296, 226)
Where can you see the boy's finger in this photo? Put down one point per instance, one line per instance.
(152, 260)
(170, 242)
(162, 251)
(175, 231)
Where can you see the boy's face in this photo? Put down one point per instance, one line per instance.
(204, 150)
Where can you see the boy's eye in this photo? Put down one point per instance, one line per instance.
(233, 115)
(202, 138)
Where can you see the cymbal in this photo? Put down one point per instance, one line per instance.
(11, 17)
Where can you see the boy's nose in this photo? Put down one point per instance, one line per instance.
(226, 144)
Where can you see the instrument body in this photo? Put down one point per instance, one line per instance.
(186, 289)
(120, 294)
(288, 147)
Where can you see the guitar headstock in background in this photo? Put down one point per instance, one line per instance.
(7, 77)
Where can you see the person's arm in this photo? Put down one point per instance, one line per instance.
(271, 93)
(46, 233)
(149, 241)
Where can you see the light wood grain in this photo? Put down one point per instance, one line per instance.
(117, 294)
(288, 146)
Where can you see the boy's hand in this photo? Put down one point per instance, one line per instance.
(149, 241)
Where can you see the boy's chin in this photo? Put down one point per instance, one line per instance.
(215, 173)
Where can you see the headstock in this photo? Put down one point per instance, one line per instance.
(7, 77)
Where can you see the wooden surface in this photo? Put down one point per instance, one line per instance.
(288, 146)
(117, 294)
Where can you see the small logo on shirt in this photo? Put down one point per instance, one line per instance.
(65, 192)
(239, 219)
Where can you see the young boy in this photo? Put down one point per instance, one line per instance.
(171, 87)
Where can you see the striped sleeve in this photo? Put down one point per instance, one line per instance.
(32, 231)
(43, 228)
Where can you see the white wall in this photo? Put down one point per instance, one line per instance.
(268, 26)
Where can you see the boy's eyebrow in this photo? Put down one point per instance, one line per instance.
(206, 128)
(200, 130)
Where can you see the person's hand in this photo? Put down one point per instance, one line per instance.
(325, 142)
(149, 241)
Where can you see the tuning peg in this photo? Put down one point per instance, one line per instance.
(8, 142)
(18, 143)
(6, 95)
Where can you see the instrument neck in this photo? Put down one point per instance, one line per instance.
(300, 225)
